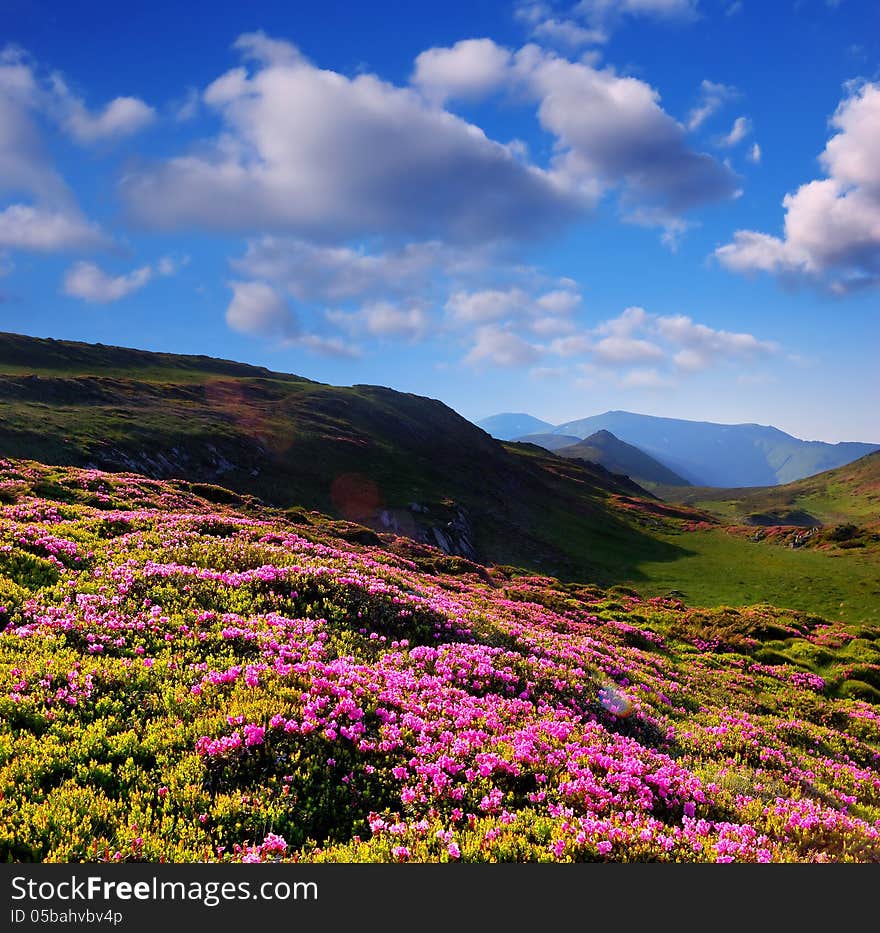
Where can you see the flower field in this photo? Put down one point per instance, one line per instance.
(187, 675)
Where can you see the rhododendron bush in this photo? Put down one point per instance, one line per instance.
(183, 681)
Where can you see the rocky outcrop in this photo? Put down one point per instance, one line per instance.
(444, 525)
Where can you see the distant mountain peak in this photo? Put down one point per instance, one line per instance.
(509, 426)
(707, 453)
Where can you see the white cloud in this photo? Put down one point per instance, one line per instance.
(741, 128)
(546, 314)
(713, 96)
(626, 350)
(87, 281)
(488, 305)
(315, 153)
(832, 225)
(24, 165)
(568, 34)
(499, 347)
(121, 117)
(258, 310)
(385, 319)
(612, 132)
(43, 230)
(754, 154)
(702, 345)
(675, 342)
(553, 325)
(559, 301)
(625, 324)
(316, 272)
(645, 379)
(592, 22)
(470, 68)
(290, 157)
(572, 345)
(45, 217)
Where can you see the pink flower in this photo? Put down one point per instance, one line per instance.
(254, 735)
(453, 850)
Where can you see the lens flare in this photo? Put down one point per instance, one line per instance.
(615, 702)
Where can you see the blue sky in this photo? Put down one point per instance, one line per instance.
(664, 206)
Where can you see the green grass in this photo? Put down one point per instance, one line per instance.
(714, 568)
(848, 494)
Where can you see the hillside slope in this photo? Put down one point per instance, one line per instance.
(619, 457)
(847, 495)
(187, 681)
(383, 458)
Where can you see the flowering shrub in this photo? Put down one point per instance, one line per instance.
(182, 681)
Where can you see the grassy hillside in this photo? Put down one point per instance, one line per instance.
(849, 494)
(188, 680)
(383, 458)
(619, 457)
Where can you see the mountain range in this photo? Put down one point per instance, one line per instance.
(702, 452)
(619, 457)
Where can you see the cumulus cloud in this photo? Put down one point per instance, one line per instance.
(572, 345)
(257, 309)
(290, 158)
(121, 117)
(754, 154)
(470, 68)
(625, 324)
(493, 304)
(43, 230)
(626, 350)
(420, 290)
(385, 319)
(496, 346)
(318, 272)
(610, 132)
(44, 216)
(702, 345)
(832, 225)
(87, 281)
(315, 153)
(542, 313)
(675, 342)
